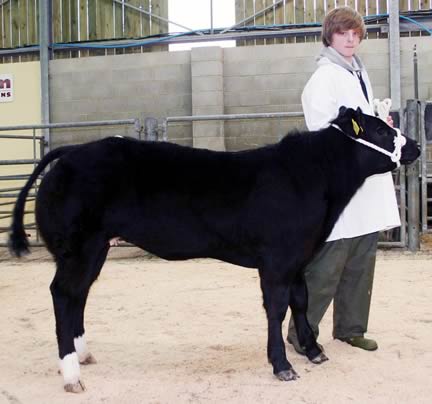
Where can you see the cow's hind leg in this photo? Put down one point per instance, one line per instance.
(305, 334)
(276, 298)
(80, 343)
(65, 309)
(70, 287)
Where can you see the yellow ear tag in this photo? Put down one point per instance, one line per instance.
(356, 127)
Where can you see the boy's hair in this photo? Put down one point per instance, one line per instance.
(342, 19)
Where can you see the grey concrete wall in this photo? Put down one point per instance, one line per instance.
(120, 87)
(208, 96)
(211, 81)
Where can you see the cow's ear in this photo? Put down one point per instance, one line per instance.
(350, 121)
(343, 111)
(360, 117)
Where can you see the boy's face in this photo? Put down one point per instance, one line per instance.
(346, 43)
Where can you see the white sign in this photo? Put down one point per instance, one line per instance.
(6, 88)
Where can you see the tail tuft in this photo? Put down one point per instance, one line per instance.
(18, 243)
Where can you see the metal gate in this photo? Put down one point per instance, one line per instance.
(40, 145)
(424, 126)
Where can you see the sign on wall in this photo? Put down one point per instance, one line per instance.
(6, 88)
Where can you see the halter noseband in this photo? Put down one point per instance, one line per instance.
(399, 141)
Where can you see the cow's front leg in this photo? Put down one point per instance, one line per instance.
(276, 298)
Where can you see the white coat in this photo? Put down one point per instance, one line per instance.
(374, 207)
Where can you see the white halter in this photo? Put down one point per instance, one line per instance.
(395, 156)
(383, 109)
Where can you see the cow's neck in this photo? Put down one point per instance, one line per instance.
(343, 171)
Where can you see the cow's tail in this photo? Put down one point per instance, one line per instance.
(18, 243)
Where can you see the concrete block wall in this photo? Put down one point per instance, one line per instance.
(207, 96)
(212, 81)
(264, 79)
(119, 87)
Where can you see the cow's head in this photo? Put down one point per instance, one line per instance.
(378, 137)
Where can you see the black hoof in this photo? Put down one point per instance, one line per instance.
(287, 375)
(319, 359)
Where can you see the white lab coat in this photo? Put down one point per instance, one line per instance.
(374, 206)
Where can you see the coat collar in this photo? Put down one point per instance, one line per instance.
(329, 54)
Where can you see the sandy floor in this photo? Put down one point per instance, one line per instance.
(195, 332)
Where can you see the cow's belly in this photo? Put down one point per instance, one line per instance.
(171, 229)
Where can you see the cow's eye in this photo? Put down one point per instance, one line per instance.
(382, 131)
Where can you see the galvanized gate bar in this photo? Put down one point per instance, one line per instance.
(229, 117)
(71, 125)
(15, 162)
(12, 203)
(14, 177)
(20, 136)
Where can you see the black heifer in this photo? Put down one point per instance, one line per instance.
(269, 208)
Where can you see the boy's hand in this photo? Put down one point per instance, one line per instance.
(390, 121)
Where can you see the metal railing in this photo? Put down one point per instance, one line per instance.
(11, 193)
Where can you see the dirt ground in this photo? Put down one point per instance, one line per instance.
(195, 332)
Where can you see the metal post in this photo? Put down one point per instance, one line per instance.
(415, 62)
(44, 43)
(138, 128)
(211, 17)
(151, 129)
(413, 187)
(163, 124)
(395, 64)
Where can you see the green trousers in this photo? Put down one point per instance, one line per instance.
(342, 271)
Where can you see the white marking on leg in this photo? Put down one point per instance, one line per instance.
(84, 356)
(81, 348)
(70, 369)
